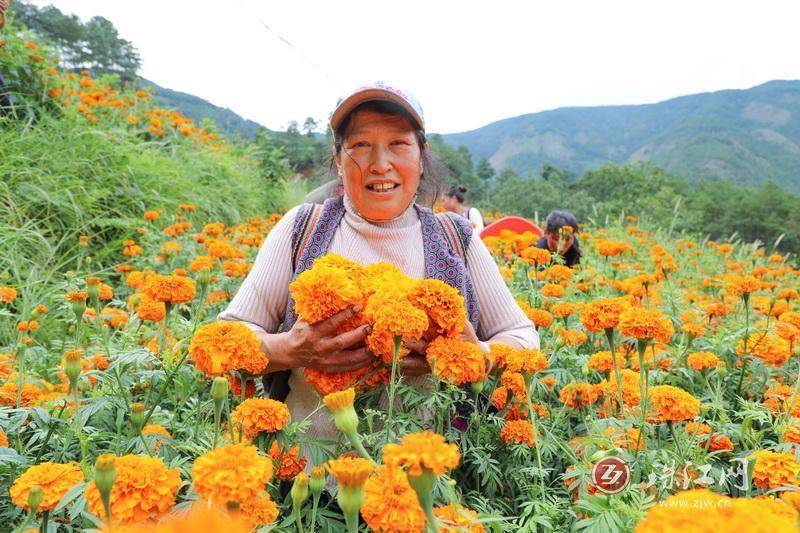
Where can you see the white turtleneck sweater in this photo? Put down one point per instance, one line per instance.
(261, 300)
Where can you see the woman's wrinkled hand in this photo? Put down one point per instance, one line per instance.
(317, 346)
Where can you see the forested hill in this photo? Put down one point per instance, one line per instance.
(197, 109)
(744, 136)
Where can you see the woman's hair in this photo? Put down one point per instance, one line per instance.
(429, 187)
(558, 219)
(458, 192)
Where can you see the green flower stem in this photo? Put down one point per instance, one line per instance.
(314, 507)
(45, 520)
(641, 346)
(392, 388)
(423, 485)
(612, 347)
(746, 299)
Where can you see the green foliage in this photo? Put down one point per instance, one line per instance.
(717, 208)
(94, 45)
(62, 176)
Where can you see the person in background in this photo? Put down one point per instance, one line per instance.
(454, 202)
(559, 237)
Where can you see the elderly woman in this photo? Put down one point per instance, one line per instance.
(381, 156)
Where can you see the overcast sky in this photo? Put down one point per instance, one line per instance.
(469, 63)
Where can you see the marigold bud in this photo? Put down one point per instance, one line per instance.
(35, 497)
(344, 414)
(104, 476)
(317, 483)
(72, 367)
(300, 489)
(219, 389)
(137, 417)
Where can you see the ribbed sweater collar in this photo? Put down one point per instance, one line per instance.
(353, 218)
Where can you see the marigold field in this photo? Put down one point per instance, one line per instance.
(125, 406)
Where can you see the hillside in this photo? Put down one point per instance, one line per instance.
(744, 136)
(197, 109)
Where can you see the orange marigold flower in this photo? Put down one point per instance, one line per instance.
(557, 273)
(519, 431)
(328, 382)
(694, 329)
(147, 309)
(172, 289)
(258, 415)
(603, 361)
(260, 511)
(159, 432)
(7, 294)
(77, 296)
(518, 360)
(422, 451)
(151, 215)
(671, 404)
(717, 443)
(515, 382)
(535, 256)
(220, 347)
(458, 519)
(456, 361)
(552, 290)
(773, 470)
(390, 504)
(646, 323)
(116, 318)
(563, 309)
(443, 304)
(572, 337)
(55, 480)
(234, 269)
(608, 248)
(144, 488)
(201, 262)
(579, 394)
(792, 433)
(603, 313)
(3, 439)
(743, 285)
(289, 463)
(131, 249)
(769, 347)
(350, 471)
(548, 381)
(499, 397)
(539, 317)
(322, 291)
(232, 473)
(703, 360)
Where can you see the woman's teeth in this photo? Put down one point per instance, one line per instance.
(381, 187)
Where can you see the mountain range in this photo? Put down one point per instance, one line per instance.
(745, 136)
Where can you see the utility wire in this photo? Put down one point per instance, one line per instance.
(293, 47)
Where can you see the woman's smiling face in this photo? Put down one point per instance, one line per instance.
(380, 164)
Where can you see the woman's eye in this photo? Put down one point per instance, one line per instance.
(359, 144)
(401, 142)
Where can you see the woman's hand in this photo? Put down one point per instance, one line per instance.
(317, 346)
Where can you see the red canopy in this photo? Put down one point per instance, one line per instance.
(515, 224)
